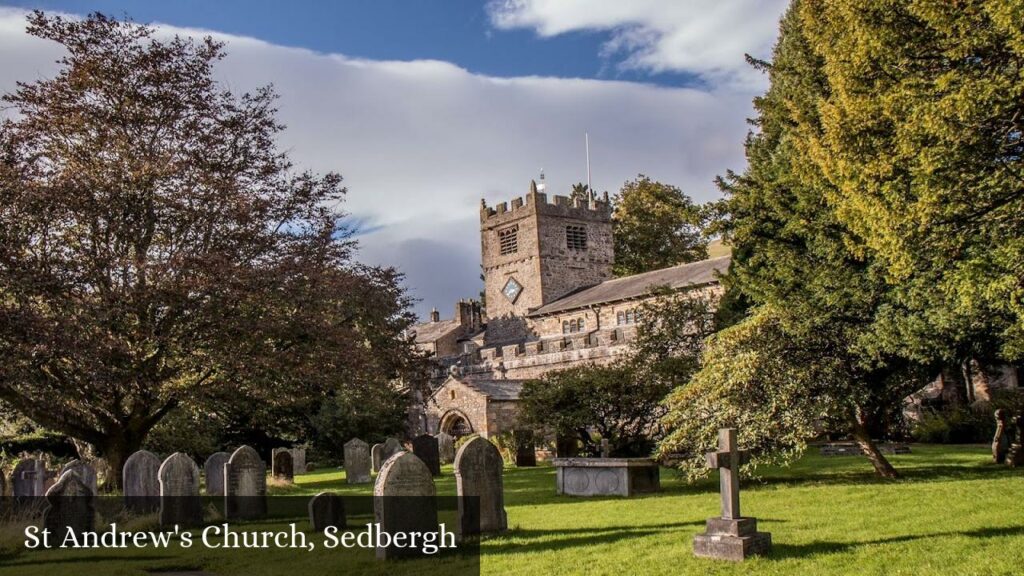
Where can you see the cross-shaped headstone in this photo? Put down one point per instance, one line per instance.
(728, 460)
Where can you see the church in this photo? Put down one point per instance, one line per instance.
(551, 303)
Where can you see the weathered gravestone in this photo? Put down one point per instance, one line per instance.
(357, 462)
(375, 459)
(730, 536)
(445, 447)
(1015, 455)
(480, 489)
(28, 479)
(404, 500)
(70, 507)
(245, 485)
(283, 466)
(179, 491)
(1003, 437)
(85, 472)
(425, 447)
(391, 447)
(141, 480)
(526, 451)
(326, 509)
(298, 458)
(213, 469)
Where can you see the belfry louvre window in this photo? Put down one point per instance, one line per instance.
(508, 240)
(576, 237)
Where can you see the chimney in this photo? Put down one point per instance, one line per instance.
(435, 316)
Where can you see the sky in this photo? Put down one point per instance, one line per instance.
(428, 106)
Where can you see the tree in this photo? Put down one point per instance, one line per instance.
(156, 248)
(656, 226)
(580, 191)
(921, 139)
(815, 293)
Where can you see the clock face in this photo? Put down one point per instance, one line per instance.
(512, 290)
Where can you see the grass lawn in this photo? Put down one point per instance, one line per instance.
(952, 513)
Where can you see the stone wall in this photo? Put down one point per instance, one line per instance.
(456, 399)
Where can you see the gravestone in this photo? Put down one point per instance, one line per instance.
(375, 459)
(179, 491)
(357, 462)
(480, 489)
(70, 506)
(326, 509)
(730, 536)
(213, 469)
(283, 466)
(28, 479)
(141, 481)
(404, 500)
(1003, 437)
(1015, 455)
(391, 447)
(425, 447)
(526, 452)
(245, 485)
(85, 472)
(445, 447)
(606, 448)
(298, 458)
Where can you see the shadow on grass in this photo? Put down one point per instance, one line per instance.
(553, 540)
(88, 559)
(784, 551)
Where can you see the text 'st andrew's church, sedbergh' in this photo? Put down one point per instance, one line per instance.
(551, 303)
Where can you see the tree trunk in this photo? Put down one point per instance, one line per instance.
(965, 368)
(115, 451)
(863, 438)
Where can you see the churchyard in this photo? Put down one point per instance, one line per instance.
(953, 512)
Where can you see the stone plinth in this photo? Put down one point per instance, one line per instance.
(731, 539)
(606, 476)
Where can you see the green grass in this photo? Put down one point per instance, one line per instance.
(952, 513)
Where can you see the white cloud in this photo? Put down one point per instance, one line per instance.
(704, 37)
(419, 143)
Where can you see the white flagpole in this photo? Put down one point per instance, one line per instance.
(590, 190)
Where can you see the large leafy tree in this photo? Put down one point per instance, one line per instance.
(922, 139)
(800, 357)
(156, 248)
(656, 226)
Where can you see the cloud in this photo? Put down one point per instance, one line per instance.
(420, 143)
(703, 37)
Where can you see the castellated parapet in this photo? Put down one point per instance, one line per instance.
(535, 251)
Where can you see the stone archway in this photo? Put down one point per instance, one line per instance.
(456, 424)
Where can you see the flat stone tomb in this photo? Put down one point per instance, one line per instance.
(213, 469)
(606, 476)
(730, 536)
(480, 488)
(283, 465)
(326, 509)
(404, 500)
(70, 506)
(426, 448)
(245, 485)
(142, 482)
(28, 479)
(357, 462)
(179, 491)
(85, 472)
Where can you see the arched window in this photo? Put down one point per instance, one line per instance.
(565, 326)
(629, 316)
(620, 317)
(573, 326)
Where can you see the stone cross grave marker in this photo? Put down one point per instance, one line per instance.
(28, 479)
(425, 447)
(445, 447)
(404, 500)
(213, 469)
(85, 472)
(730, 536)
(245, 485)
(375, 459)
(327, 509)
(357, 462)
(283, 466)
(179, 491)
(480, 488)
(142, 482)
(70, 506)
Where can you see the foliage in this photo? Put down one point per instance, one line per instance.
(610, 400)
(190, 430)
(656, 226)
(358, 412)
(670, 336)
(157, 249)
(506, 445)
(43, 441)
(958, 424)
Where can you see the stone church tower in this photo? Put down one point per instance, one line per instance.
(535, 252)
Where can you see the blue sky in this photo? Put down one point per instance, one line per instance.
(426, 106)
